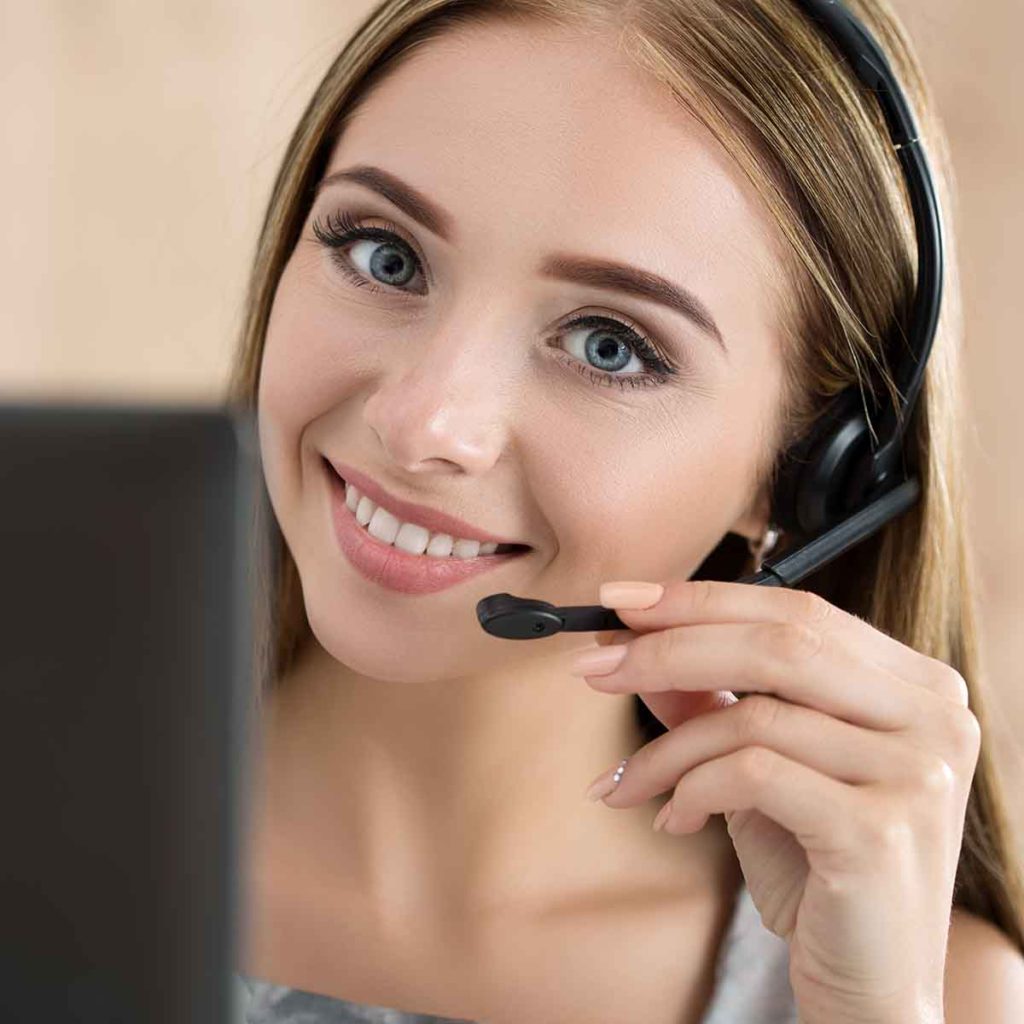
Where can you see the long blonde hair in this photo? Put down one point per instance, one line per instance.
(770, 87)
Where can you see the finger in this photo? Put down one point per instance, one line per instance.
(705, 601)
(845, 752)
(821, 812)
(669, 707)
(791, 662)
(941, 727)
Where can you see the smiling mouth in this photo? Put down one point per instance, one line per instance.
(502, 549)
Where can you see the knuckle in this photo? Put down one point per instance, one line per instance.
(964, 731)
(945, 680)
(952, 684)
(667, 646)
(811, 607)
(893, 832)
(887, 829)
(756, 717)
(701, 594)
(757, 766)
(933, 775)
(791, 641)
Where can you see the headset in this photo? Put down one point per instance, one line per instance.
(834, 485)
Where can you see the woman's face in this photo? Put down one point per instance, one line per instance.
(443, 362)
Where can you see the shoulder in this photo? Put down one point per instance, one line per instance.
(984, 972)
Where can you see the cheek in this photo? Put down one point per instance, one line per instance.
(303, 379)
(659, 504)
(313, 356)
(296, 352)
(282, 406)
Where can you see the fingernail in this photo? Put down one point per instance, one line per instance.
(607, 781)
(599, 661)
(630, 594)
(663, 815)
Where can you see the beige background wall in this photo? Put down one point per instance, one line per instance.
(140, 140)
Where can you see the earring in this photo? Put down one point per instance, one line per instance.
(760, 547)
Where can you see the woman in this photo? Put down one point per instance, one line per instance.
(442, 354)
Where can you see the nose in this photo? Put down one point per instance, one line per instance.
(446, 407)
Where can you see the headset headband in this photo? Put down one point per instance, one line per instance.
(833, 472)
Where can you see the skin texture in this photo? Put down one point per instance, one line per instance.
(406, 717)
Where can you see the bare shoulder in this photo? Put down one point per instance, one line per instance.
(984, 972)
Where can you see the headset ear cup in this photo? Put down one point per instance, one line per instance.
(826, 495)
(813, 485)
(787, 488)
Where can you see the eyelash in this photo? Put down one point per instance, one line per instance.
(343, 228)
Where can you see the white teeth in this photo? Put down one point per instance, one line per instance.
(466, 548)
(383, 525)
(440, 544)
(411, 537)
(364, 510)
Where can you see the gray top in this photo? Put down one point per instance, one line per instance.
(751, 987)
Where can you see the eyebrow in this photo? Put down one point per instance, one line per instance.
(597, 273)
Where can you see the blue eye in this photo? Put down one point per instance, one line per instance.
(607, 340)
(392, 259)
(395, 261)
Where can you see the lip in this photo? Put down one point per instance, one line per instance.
(407, 512)
(391, 567)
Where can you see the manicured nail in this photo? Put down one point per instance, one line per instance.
(607, 781)
(599, 661)
(663, 815)
(630, 594)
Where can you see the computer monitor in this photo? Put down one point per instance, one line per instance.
(126, 708)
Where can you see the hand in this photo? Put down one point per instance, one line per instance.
(843, 778)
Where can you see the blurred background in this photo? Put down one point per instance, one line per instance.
(141, 141)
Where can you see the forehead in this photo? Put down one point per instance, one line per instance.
(536, 138)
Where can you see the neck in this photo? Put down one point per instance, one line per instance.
(460, 796)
